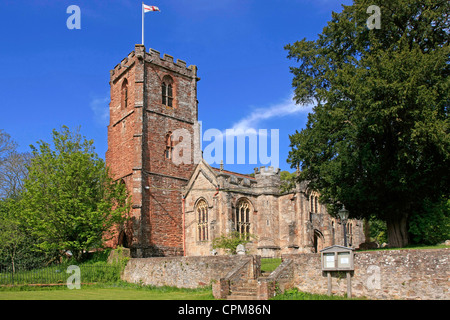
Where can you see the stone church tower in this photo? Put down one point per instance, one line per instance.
(151, 97)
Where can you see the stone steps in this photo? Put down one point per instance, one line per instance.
(246, 289)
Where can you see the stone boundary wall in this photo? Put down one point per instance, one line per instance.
(188, 272)
(391, 274)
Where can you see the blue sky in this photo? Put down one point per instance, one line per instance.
(52, 76)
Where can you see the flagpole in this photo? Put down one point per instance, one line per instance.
(142, 23)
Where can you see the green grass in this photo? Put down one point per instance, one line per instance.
(116, 291)
(270, 264)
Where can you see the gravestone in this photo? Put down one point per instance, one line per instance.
(240, 249)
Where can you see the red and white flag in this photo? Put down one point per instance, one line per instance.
(146, 8)
(150, 8)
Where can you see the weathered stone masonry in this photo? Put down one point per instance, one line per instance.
(391, 274)
(281, 223)
(394, 274)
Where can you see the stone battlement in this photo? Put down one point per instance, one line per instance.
(117, 71)
(267, 171)
(167, 61)
(154, 56)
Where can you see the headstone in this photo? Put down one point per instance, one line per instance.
(240, 249)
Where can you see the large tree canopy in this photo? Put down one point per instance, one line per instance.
(69, 200)
(378, 138)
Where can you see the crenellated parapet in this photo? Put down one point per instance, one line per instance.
(153, 56)
(266, 171)
(268, 179)
(167, 61)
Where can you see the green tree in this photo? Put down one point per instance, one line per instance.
(378, 138)
(230, 242)
(17, 244)
(287, 181)
(12, 236)
(69, 200)
(434, 226)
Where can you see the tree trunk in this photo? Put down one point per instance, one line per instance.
(397, 231)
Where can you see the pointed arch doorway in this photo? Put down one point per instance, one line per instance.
(318, 241)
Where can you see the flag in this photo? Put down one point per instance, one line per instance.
(146, 8)
(149, 8)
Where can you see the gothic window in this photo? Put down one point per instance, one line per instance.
(311, 201)
(169, 146)
(124, 93)
(241, 219)
(202, 221)
(167, 91)
(316, 205)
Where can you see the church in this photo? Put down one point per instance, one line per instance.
(179, 208)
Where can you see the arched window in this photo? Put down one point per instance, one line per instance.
(167, 91)
(124, 93)
(311, 201)
(202, 220)
(241, 219)
(169, 146)
(316, 205)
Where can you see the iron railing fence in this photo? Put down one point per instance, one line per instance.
(58, 274)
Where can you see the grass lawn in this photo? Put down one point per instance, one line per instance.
(103, 292)
(270, 264)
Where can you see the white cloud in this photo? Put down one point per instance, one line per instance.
(285, 108)
(100, 108)
(252, 139)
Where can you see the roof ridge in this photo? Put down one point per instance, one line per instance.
(234, 173)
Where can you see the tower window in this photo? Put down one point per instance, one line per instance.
(167, 91)
(124, 93)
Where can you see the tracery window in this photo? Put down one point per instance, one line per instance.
(167, 91)
(241, 219)
(202, 221)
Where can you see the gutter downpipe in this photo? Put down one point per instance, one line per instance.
(184, 225)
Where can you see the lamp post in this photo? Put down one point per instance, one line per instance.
(343, 214)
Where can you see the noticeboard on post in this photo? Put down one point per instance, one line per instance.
(337, 258)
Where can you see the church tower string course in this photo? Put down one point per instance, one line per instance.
(151, 97)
